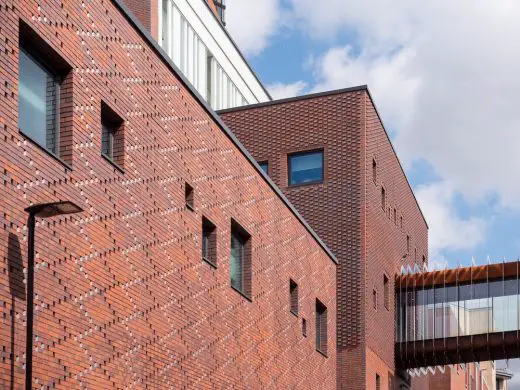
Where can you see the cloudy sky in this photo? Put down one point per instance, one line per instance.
(445, 77)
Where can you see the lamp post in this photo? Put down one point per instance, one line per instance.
(42, 210)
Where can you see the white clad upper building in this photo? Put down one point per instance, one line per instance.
(193, 34)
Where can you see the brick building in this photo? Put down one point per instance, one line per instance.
(331, 156)
(187, 267)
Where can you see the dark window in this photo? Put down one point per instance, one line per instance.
(189, 197)
(401, 222)
(386, 291)
(265, 166)
(374, 298)
(112, 127)
(408, 244)
(293, 294)
(374, 171)
(321, 327)
(395, 216)
(383, 198)
(44, 94)
(424, 260)
(304, 327)
(378, 382)
(221, 8)
(306, 167)
(209, 242)
(240, 259)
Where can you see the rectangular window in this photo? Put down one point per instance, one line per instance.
(305, 167)
(44, 94)
(378, 382)
(374, 171)
(112, 128)
(383, 198)
(321, 327)
(189, 197)
(401, 223)
(293, 295)
(304, 327)
(407, 244)
(240, 259)
(386, 291)
(265, 166)
(209, 242)
(374, 298)
(395, 216)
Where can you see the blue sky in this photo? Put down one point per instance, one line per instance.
(446, 89)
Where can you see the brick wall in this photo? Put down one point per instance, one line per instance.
(122, 295)
(142, 10)
(345, 210)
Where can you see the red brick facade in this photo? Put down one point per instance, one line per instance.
(122, 296)
(346, 211)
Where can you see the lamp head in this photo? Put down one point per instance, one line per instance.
(46, 210)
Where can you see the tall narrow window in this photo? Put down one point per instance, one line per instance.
(209, 242)
(240, 259)
(304, 327)
(424, 260)
(112, 128)
(383, 198)
(407, 244)
(321, 327)
(378, 382)
(395, 215)
(374, 170)
(374, 298)
(386, 291)
(401, 222)
(44, 94)
(189, 197)
(293, 296)
(305, 167)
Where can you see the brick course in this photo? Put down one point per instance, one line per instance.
(123, 298)
(345, 210)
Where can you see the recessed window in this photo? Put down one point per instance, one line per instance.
(374, 170)
(293, 296)
(383, 198)
(401, 223)
(374, 298)
(321, 327)
(209, 242)
(306, 167)
(407, 244)
(112, 128)
(44, 94)
(189, 197)
(265, 166)
(424, 260)
(378, 382)
(240, 259)
(304, 327)
(386, 291)
(395, 215)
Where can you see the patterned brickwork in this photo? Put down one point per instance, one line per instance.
(345, 210)
(123, 298)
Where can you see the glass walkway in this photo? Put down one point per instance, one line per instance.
(458, 315)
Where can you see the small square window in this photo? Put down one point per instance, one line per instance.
(374, 298)
(240, 260)
(209, 242)
(112, 128)
(265, 166)
(189, 197)
(44, 94)
(304, 327)
(386, 290)
(305, 167)
(321, 327)
(293, 295)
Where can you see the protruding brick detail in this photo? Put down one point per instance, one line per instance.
(123, 298)
(346, 210)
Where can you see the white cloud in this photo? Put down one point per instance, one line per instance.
(448, 231)
(252, 23)
(444, 77)
(280, 90)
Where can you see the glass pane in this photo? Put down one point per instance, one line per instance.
(37, 102)
(107, 141)
(265, 166)
(306, 168)
(205, 239)
(236, 262)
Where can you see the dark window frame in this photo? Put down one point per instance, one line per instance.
(304, 327)
(383, 198)
(374, 298)
(209, 242)
(189, 196)
(266, 163)
(113, 127)
(374, 170)
(321, 328)
(221, 8)
(293, 297)
(386, 291)
(244, 239)
(303, 153)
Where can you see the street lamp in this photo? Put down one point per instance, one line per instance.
(42, 210)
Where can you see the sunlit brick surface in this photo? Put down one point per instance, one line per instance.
(123, 298)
